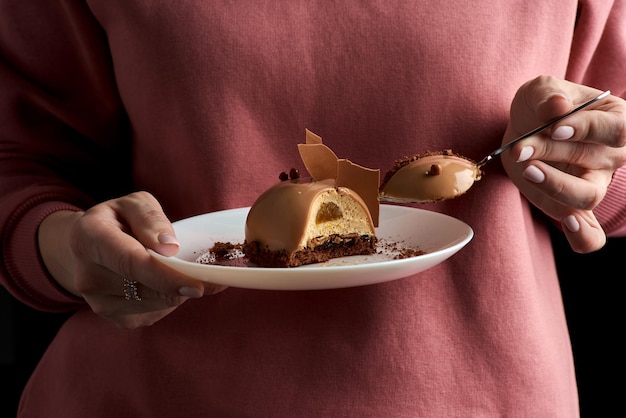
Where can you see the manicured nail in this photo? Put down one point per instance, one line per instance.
(533, 174)
(526, 153)
(571, 223)
(166, 238)
(190, 292)
(563, 132)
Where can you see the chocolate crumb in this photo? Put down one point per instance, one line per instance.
(221, 249)
(222, 253)
(294, 174)
(398, 250)
(283, 176)
(435, 170)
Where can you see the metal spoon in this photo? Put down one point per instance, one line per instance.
(439, 177)
(540, 128)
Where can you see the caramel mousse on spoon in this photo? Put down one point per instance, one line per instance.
(435, 176)
(429, 177)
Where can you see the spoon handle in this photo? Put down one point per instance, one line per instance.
(540, 128)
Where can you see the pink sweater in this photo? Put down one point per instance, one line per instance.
(202, 104)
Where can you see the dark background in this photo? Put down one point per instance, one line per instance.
(594, 304)
(591, 285)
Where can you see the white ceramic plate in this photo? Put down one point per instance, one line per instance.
(439, 236)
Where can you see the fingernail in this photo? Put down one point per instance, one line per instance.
(526, 153)
(533, 174)
(571, 223)
(190, 292)
(563, 132)
(166, 238)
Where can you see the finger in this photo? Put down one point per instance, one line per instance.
(126, 310)
(568, 199)
(585, 155)
(566, 190)
(109, 293)
(578, 173)
(556, 186)
(545, 98)
(604, 124)
(583, 232)
(139, 307)
(147, 222)
(580, 226)
(122, 255)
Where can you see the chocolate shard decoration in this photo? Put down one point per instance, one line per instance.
(322, 163)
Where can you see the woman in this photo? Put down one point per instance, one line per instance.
(120, 117)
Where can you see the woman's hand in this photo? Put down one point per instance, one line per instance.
(565, 170)
(101, 255)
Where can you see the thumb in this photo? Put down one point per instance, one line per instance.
(148, 223)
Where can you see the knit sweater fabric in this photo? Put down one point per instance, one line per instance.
(202, 104)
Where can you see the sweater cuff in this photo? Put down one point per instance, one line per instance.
(31, 283)
(611, 212)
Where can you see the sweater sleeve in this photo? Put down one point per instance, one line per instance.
(597, 59)
(64, 136)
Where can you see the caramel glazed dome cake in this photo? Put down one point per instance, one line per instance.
(304, 220)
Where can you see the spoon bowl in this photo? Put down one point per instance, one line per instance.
(429, 178)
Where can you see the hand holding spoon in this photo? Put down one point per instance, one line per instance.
(540, 128)
(438, 176)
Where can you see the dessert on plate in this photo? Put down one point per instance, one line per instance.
(304, 220)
